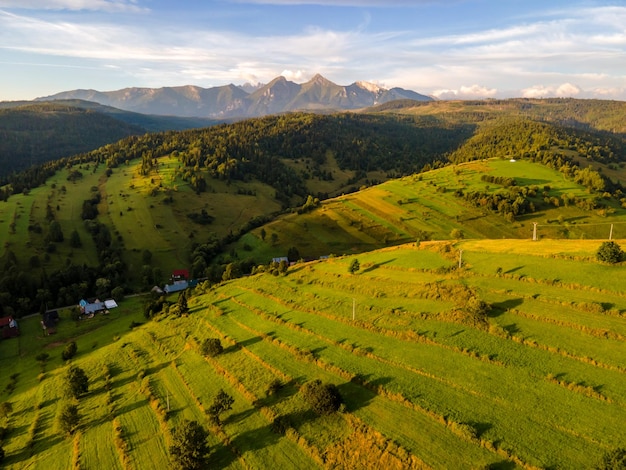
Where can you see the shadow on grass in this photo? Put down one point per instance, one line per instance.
(285, 391)
(248, 441)
(355, 394)
(157, 368)
(502, 465)
(376, 266)
(26, 453)
(511, 329)
(242, 344)
(132, 406)
(238, 417)
(499, 308)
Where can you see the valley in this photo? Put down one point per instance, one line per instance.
(440, 272)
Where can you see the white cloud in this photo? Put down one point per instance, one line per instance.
(585, 47)
(294, 76)
(565, 90)
(466, 93)
(99, 5)
(350, 3)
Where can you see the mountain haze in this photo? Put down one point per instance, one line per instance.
(229, 101)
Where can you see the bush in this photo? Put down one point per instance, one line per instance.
(69, 351)
(6, 409)
(324, 399)
(212, 347)
(69, 418)
(613, 460)
(189, 449)
(76, 381)
(354, 266)
(274, 387)
(610, 252)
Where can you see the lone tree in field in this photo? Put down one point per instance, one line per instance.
(354, 266)
(69, 418)
(76, 381)
(189, 449)
(610, 252)
(222, 402)
(324, 399)
(212, 347)
(182, 302)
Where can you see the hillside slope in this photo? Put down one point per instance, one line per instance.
(124, 216)
(513, 360)
(37, 133)
(490, 199)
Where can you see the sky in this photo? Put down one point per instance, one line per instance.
(448, 49)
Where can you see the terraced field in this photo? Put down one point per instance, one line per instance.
(539, 382)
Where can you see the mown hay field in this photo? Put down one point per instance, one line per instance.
(537, 380)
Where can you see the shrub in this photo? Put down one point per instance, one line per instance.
(274, 387)
(76, 381)
(609, 252)
(212, 347)
(354, 266)
(324, 399)
(613, 460)
(69, 418)
(6, 409)
(280, 424)
(69, 351)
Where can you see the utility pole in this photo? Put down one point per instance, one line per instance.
(534, 231)
(168, 400)
(611, 233)
(460, 258)
(353, 308)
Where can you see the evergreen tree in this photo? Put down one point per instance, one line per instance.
(69, 418)
(76, 381)
(354, 266)
(182, 302)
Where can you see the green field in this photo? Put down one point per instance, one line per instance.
(424, 206)
(539, 382)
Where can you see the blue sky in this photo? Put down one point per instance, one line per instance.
(451, 49)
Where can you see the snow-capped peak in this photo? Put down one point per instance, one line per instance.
(371, 87)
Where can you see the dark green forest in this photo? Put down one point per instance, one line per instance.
(34, 134)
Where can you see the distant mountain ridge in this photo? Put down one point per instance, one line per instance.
(231, 101)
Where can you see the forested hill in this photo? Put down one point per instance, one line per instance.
(37, 133)
(592, 115)
(260, 148)
(519, 137)
(32, 133)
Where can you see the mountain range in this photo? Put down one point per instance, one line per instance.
(230, 101)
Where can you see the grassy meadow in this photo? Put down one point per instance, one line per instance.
(137, 211)
(537, 382)
(424, 206)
